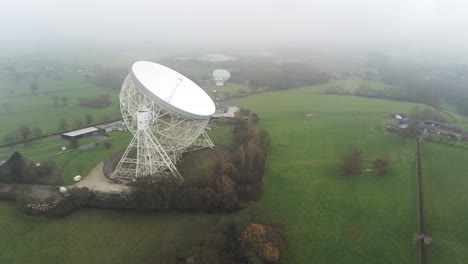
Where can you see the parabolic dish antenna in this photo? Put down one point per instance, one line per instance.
(220, 76)
(167, 114)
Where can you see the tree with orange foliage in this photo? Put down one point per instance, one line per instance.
(254, 241)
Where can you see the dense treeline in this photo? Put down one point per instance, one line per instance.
(100, 101)
(425, 83)
(258, 73)
(390, 92)
(235, 182)
(277, 76)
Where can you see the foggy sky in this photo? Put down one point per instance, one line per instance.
(434, 25)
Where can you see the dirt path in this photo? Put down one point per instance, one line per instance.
(98, 182)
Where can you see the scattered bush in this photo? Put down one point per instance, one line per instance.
(381, 165)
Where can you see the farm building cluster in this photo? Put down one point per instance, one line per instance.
(426, 127)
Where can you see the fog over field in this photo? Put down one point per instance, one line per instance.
(401, 25)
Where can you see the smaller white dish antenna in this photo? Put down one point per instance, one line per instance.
(63, 190)
(220, 76)
(38, 164)
(77, 178)
(398, 117)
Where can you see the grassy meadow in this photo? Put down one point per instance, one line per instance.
(331, 218)
(100, 236)
(37, 110)
(445, 181)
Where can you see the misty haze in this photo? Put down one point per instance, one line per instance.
(199, 132)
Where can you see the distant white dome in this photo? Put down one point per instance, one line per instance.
(398, 117)
(64, 148)
(63, 190)
(220, 76)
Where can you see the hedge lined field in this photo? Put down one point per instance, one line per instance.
(331, 218)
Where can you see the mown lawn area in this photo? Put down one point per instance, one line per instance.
(331, 218)
(445, 179)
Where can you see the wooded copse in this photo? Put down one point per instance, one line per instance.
(235, 182)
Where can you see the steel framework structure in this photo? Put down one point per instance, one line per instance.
(160, 135)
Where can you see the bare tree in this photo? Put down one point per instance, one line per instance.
(62, 124)
(89, 119)
(64, 100)
(352, 164)
(34, 86)
(37, 131)
(78, 122)
(55, 100)
(25, 132)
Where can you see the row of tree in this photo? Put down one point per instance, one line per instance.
(26, 132)
(59, 101)
(100, 101)
(234, 183)
(23, 133)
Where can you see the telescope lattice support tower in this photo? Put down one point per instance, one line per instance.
(144, 156)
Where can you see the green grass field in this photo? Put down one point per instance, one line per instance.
(445, 178)
(100, 236)
(330, 218)
(352, 85)
(36, 110)
(222, 134)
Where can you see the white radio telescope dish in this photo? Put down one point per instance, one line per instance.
(167, 114)
(220, 76)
